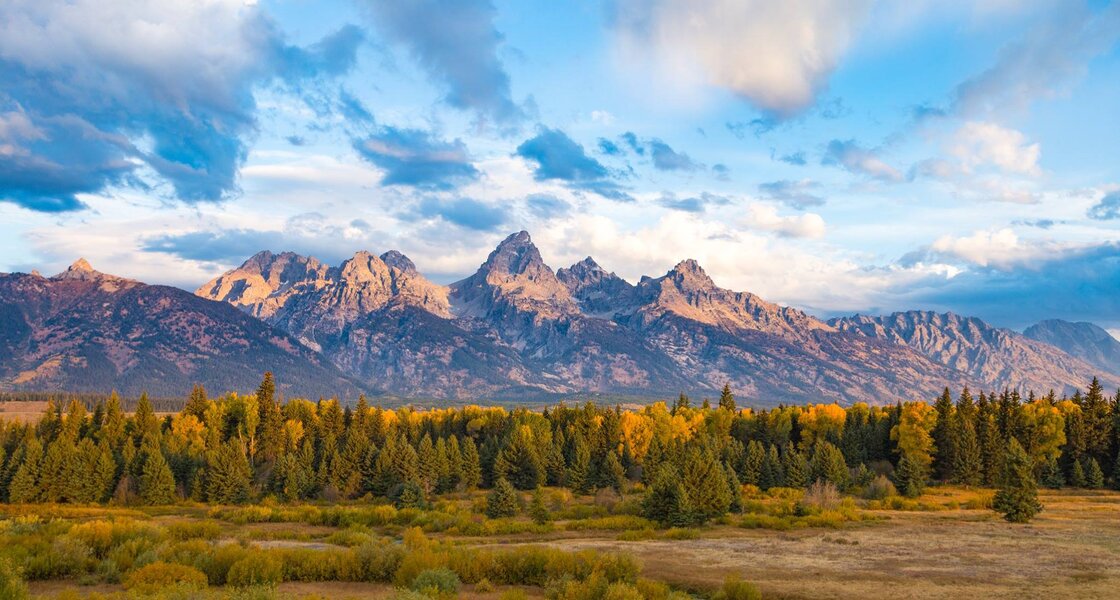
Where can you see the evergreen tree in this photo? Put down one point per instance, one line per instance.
(911, 476)
(613, 475)
(968, 464)
(411, 495)
(705, 482)
(1077, 475)
(1051, 475)
(502, 500)
(736, 489)
(990, 440)
(196, 403)
(471, 465)
(772, 474)
(1017, 497)
(537, 510)
(228, 478)
(1094, 476)
(944, 438)
(157, 484)
(726, 398)
(666, 500)
(147, 424)
(427, 465)
(828, 465)
(796, 468)
(753, 460)
(25, 484)
(578, 477)
(682, 403)
(519, 462)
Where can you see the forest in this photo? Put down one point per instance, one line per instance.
(666, 468)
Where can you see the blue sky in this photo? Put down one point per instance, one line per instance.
(836, 156)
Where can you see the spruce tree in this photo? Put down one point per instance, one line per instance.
(796, 468)
(471, 465)
(726, 398)
(411, 495)
(613, 475)
(1051, 475)
(1077, 475)
(828, 465)
(196, 403)
(147, 430)
(24, 487)
(228, 478)
(753, 460)
(537, 510)
(1017, 497)
(705, 482)
(666, 500)
(502, 500)
(578, 477)
(772, 474)
(1094, 476)
(157, 485)
(736, 489)
(944, 438)
(910, 476)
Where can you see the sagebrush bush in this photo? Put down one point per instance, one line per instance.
(12, 586)
(441, 582)
(821, 495)
(736, 589)
(880, 488)
(257, 568)
(160, 575)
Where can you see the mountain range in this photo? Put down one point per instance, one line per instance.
(514, 330)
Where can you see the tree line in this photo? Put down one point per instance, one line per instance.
(691, 461)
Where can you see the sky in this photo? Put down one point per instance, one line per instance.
(837, 156)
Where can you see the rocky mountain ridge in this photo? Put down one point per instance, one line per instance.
(516, 328)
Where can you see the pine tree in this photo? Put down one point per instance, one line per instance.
(578, 477)
(666, 500)
(1051, 475)
(736, 489)
(911, 476)
(25, 484)
(411, 495)
(772, 474)
(796, 468)
(1017, 497)
(705, 482)
(1094, 476)
(147, 425)
(502, 500)
(228, 478)
(197, 403)
(1077, 475)
(471, 466)
(537, 510)
(427, 465)
(682, 403)
(967, 467)
(753, 460)
(157, 485)
(944, 438)
(519, 462)
(828, 465)
(613, 475)
(726, 398)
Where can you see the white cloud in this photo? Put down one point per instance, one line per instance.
(765, 217)
(1001, 248)
(776, 55)
(981, 144)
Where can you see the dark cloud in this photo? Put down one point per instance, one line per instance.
(795, 194)
(296, 140)
(464, 212)
(557, 157)
(412, 157)
(850, 156)
(693, 204)
(87, 106)
(1107, 209)
(722, 172)
(1039, 223)
(222, 245)
(667, 159)
(547, 206)
(456, 42)
(631, 140)
(1077, 284)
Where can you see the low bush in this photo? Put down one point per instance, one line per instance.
(437, 583)
(257, 568)
(12, 586)
(736, 589)
(158, 576)
(612, 523)
(880, 488)
(194, 530)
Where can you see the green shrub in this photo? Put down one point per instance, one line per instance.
(157, 576)
(880, 488)
(612, 523)
(736, 589)
(437, 583)
(378, 561)
(192, 530)
(257, 568)
(12, 586)
(217, 563)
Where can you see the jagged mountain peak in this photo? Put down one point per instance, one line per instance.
(689, 275)
(396, 260)
(81, 270)
(516, 255)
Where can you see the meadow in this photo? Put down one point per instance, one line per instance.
(945, 543)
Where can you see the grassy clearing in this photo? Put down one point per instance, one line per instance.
(943, 544)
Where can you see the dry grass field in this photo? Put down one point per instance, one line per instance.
(1071, 550)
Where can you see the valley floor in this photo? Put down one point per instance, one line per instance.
(936, 548)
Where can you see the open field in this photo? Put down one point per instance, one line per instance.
(935, 548)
